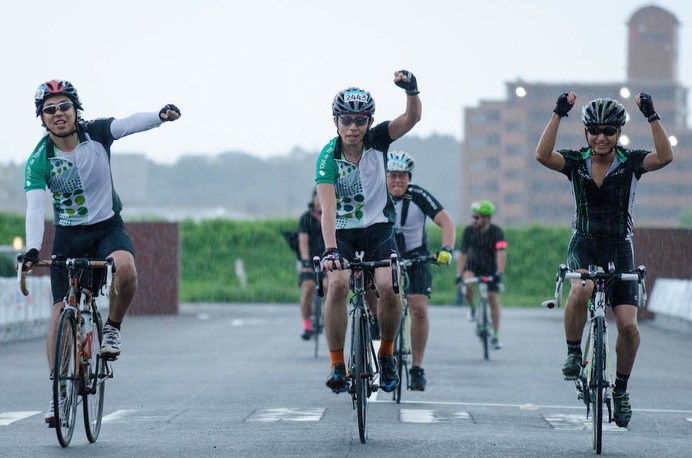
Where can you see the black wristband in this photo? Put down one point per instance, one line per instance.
(653, 117)
(307, 263)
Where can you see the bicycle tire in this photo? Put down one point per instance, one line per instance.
(316, 321)
(361, 374)
(400, 343)
(597, 383)
(485, 331)
(65, 380)
(95, 376)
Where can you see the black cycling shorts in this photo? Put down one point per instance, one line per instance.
(376, 241)
(584, 251)
(95, 241)
(419, 274)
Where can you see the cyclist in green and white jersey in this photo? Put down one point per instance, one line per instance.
(604, 177)
(358, 215)
(73, 162)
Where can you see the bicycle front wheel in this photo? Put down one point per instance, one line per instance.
(316, 321)
(95, 376)
(485, 330)
(361, 373)
(597, 383)
(65, 378)
(399, 351)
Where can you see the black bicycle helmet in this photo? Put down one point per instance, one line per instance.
(353, 100)
(55, 87)
(606, 112)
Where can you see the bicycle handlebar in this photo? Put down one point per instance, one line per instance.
(597, 273)
(367, 265)
(108, 263)
(478, 279)
(406, 262)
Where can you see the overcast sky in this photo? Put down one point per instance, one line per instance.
(258, 76)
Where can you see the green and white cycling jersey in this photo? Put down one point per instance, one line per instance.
(80, 181)
(362, 198)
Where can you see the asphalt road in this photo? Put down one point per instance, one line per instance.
(236, 380)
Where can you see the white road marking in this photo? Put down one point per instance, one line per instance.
(578, 423)
(430, 416)
(689, 419)
(117, 415)
(285, 414)
(246, 322)
(7, 418)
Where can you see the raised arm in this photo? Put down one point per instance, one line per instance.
(663, 154)
(545, 151)
(141, 122)
(405, 122)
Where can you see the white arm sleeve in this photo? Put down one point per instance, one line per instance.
(35, 212)
(138, 122)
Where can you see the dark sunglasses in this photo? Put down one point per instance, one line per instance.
(608, 131)
(359, 120)
(476, 216)
(52, 109)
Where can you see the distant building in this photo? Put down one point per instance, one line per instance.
(500, 137)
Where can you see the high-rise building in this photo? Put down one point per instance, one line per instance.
(500, 137)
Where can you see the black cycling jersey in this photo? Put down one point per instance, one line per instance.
(604, 211)
(481, 248)
(310, 224)
(412, 209)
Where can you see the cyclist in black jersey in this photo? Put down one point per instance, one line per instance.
(604, 176)
(358, 215)
(483, 252)
(73, 162)
(413, 206)
(310, 244)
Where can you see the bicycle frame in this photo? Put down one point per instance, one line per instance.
(483, 322)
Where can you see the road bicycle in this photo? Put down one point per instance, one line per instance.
(595, 381)
(79, 372)
(484, 327)
(402, 345)
(362, 367)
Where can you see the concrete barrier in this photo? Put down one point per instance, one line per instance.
(671, 301)
(21, 317)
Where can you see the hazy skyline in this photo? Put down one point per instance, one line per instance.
(259, 77)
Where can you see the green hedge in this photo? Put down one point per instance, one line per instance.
(210, 249)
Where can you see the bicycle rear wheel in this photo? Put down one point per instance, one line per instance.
(361, 373)
(597, 384)
(65, 378)
(95, 376)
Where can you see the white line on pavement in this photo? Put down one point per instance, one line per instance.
(117, 415)
(7, 418)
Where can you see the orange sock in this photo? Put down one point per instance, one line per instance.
(386, 347)
(337, 357)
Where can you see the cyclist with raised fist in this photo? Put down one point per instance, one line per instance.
(603, 176)
(73, 161)
(358, 215)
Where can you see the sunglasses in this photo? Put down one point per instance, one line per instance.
(608, 131)
(476, 216)
(359, 120)
(52, 109)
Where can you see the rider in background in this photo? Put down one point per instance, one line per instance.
(358, 215)
(483, 253)
(73, 161)
(603, 176)
(310, 244)
(413, 206)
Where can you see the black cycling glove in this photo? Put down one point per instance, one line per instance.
(171, 107)
(562, 106)
(411, 87)
(331, 254)
(30, 256)
(646, 106)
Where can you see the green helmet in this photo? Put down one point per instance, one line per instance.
(483, 207)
